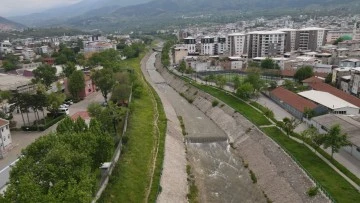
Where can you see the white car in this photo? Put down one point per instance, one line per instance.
(64, 110)
(64, 106)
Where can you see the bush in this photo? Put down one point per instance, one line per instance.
(43, 127)
(215, 103)
(312, 191)
(253, 177)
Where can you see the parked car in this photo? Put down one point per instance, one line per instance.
(69, 102)
(64, 106)
(64, 110)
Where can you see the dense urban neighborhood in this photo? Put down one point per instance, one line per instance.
(202, 108)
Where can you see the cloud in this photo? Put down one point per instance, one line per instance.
(22, 7)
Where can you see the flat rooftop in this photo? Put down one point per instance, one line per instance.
(11, 82)
(326, 99)
(348, 125)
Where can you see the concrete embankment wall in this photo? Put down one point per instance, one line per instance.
(281, 179)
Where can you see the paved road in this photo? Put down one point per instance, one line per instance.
(21, 140)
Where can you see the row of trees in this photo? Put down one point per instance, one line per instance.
(61, 167)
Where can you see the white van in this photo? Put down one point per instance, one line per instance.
(64, 110)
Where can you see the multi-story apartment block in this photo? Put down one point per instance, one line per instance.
(310, 38)
(355, 81)
(290, 39)
(265, 43)
(220, 45)
(207, 45)
(190, 44)
(237, 44)
(5, 48)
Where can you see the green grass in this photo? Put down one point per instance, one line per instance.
(246, 110)
(336, 185)
(131, 176)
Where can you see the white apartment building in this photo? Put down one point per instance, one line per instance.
(5, 48)
(237, 44)
(208, 46)
(290, 39)
(310, 38)
(190, 45)
(265, 43)
(220, 45)
(355, 81)
(98, 47)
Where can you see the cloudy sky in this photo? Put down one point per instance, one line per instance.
(22, 7)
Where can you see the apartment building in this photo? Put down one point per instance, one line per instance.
(333, 35)
(220, 45)
(265, 43)
(5, 48)
(310, 38)
(290, 39)
(207, 46)
(237, 44)
(190, 44)
(355, 81)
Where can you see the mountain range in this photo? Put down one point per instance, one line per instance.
(6, 24)
(146, 14)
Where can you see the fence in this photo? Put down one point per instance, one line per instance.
(105, 177)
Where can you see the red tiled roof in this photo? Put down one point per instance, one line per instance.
(3, 122)
(292, 99)
(82, 114)
(288, 72)
(312, 80)
(336, 92)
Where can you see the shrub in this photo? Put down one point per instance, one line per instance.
(253, 177)
(312, 191)
(215, 103)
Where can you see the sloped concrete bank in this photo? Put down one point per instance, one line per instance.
(281, 179)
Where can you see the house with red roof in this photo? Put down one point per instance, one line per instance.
(294, 103)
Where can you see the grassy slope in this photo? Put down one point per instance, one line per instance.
(131, 177)
(337, 186)
(240, 106)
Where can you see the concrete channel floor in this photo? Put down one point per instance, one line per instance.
(220, 176)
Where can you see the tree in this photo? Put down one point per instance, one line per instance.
(54, 100)
(290, 124)
(105, 80)
(269, 63)
(10, 63)
(328, 79)
(69, 69)
(220, 81)
(121, 93)
(182, 67)
(304, 73)
(309, 113)
(255, 80)
(45, 74)
(309, 134)
(245, 90)
(236, 82)
(80, 125)
(65, 126)
(335, 139)
(76, 83)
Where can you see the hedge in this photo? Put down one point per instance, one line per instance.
(43, 127)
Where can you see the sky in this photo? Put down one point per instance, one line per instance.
(23, 7)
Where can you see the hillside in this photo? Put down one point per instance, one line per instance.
(86, 7)
(159, 14)
(6, 25)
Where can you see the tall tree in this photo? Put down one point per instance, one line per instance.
(269, 63)
(220, 81)
(105, 80)
(304, 73)
(76, 83)
(45, 74)
(290, 124)
(54, 100)
(237, 82)
(121, 93)
(68, 69)
(335, 139)
(255, 80)
(245, 90)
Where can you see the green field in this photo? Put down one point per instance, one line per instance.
(336, 185)
(131, 177)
